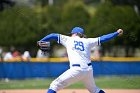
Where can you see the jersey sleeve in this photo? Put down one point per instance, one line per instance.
(53, 36)
(108, 37)
(62, 39)
(94, 41)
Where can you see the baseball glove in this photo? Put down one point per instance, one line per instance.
(43, 46)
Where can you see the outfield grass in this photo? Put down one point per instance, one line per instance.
(103, 82)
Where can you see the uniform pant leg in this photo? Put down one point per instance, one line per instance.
(90, 83)
(69, 77)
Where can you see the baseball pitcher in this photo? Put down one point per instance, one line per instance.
(78, 47)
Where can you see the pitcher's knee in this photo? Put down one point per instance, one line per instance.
(101, 91)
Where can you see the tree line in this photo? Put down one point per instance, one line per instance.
(22, 26)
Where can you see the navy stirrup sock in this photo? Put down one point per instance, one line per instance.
(101, 91)
(51, 91)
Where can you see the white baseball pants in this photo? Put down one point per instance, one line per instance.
(75, 74)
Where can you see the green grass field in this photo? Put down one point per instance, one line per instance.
(114, 82)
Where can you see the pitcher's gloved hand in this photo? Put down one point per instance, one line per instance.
(43, 46)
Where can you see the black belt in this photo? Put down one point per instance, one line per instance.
(78, 65)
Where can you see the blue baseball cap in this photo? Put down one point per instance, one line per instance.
(77, 30)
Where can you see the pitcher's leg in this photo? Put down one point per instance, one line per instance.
(64, 80)
(93, 88)
(90, 83)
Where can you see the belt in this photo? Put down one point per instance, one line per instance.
(78, 65)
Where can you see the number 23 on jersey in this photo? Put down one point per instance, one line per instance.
(78, 45)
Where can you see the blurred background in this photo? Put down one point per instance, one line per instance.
(24, 22)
